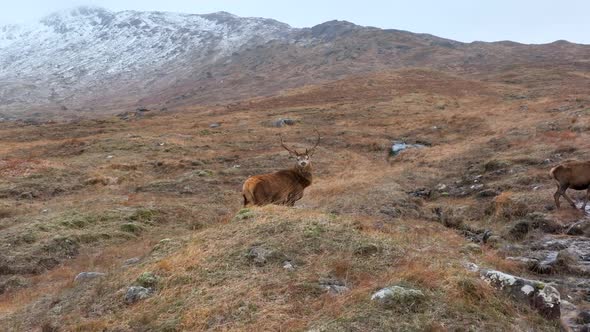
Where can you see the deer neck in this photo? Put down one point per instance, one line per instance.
(305, 174)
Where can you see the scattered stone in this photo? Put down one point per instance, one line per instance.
(472, 267)
(131, 261)
(260, 255)
(399, 146)
(137, 293)
(85, 276)
(476, 187)
(283, 122)
(399, 297)
(544, 298)
(288, 266)
(333, 286)
(547, 265)
(441, 187)
(420, 192)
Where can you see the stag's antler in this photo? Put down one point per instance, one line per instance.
(287, 148)
(312, 150)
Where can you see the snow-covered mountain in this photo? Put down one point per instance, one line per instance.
(91, 53)
(93, 61)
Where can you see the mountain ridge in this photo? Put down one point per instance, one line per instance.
(90, 61)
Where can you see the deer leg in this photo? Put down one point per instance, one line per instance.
(586, 199)
(556, 196)
(563, 188)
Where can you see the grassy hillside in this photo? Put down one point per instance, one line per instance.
(89, 195)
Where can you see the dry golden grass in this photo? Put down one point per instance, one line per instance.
(191, 175)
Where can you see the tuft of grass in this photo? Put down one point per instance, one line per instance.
(147, 280)
(133, 228)
(244, 214)
(506, 207)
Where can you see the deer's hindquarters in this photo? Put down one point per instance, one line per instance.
(572, 174)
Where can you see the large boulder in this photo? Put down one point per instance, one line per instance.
(544, 298)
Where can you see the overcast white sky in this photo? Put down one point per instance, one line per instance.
(527, 21)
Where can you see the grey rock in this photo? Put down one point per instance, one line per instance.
(131, 261)
(333, 286)
(283, 122)
(215, 125)
(137, 293)
(85, 276)
(542, 297)
(288, 266)
(399, 146)
(398, 296)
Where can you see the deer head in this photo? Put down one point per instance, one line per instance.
(303, 159)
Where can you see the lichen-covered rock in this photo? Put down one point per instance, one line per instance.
(399, 297)
(544, 298)
(137, 293)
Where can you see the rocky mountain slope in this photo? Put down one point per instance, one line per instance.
(83, 55)
(89, 60)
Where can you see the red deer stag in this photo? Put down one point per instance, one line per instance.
(284, 187)
(571, 174)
